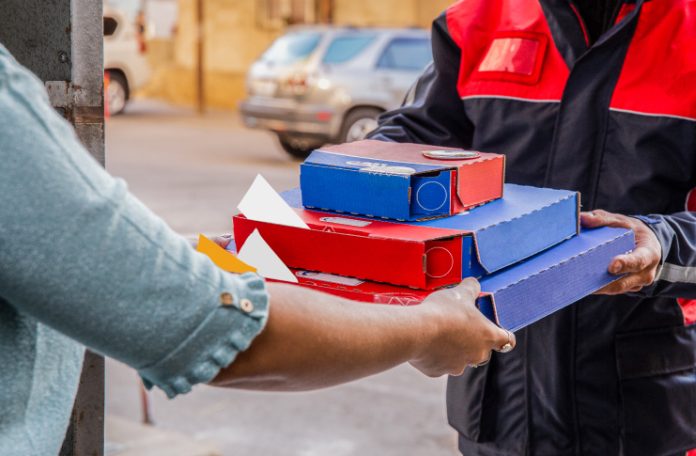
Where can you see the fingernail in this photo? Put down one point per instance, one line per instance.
(616, 267)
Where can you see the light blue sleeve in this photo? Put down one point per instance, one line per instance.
(80, 254)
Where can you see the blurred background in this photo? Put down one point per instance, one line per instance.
(202, 96)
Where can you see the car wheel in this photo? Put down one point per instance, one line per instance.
(297, 146)
(358, 123)
(117, 94)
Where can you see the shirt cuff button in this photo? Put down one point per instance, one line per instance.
(246, 305)
(226, 299)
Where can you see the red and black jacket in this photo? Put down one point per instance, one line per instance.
(615, 120)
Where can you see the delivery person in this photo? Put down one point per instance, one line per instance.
(598, 97)
(83, 262)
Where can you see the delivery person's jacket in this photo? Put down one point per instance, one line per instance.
(617, 122)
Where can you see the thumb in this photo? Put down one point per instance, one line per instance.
(593, 219)
(599, 218)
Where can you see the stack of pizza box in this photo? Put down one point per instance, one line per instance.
(391, 223)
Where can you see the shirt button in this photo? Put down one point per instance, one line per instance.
(246, 305)
(226, 299)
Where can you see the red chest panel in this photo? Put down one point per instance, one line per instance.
(507, 50)
(659, 73)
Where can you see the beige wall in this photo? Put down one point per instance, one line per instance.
(388, 13)
(428, 11)
(234, 40)
(232, 37)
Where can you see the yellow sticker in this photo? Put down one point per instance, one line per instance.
(223, 259)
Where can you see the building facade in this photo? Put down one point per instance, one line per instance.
(236, 32)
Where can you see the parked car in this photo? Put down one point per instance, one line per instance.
(125, 58)
(322, 84)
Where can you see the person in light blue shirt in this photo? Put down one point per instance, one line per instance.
(84, 263)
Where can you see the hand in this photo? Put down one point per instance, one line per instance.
(640, 266)
(223, 241)
(463, 335)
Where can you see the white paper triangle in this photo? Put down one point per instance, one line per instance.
(257, 253)
(263, 204)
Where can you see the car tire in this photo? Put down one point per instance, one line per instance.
(358, 123)
(296, 146)
(117, 95)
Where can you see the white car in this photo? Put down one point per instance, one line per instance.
(125, 59)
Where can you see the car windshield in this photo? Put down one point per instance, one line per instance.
(292, 48)
(344, 48)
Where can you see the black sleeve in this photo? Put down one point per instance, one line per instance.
(677, 274)
(432, 112)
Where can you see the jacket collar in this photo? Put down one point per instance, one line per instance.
(567, 30)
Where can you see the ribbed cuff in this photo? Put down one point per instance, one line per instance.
(664, 235)
(214, 345)
(662, 230)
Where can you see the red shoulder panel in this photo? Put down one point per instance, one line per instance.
(659, 73)
(507, 50)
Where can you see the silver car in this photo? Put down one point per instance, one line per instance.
(325, 84)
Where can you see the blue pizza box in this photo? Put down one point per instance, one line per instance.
(483, 240)
(399, 181)
(535, 288)
(526, 221)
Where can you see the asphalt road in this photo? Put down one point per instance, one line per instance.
(192, 171)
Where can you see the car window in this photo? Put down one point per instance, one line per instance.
(110, 26)
(292, 48)
(410, 54)
(345, 48)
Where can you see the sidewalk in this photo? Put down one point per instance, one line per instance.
(193, 171)
(127, 438)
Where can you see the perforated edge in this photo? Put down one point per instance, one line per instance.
(562, 263)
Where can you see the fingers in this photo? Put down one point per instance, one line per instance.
(506, 342)
(499, 339)
(640, 259)
(613, 289)
(640, 265)
(648, 250)
(464, 359)
(223, 241)
(504, 345)
(483, 359)
(464, 336)
(629, 284)
(468, 289)
(599, 218)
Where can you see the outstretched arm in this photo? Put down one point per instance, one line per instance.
(84, 257)
(314, 340)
